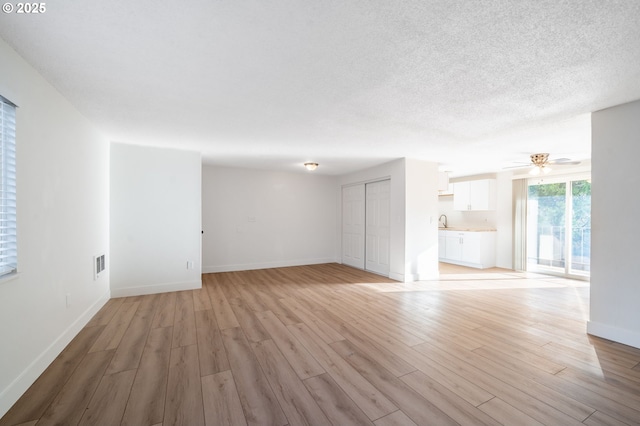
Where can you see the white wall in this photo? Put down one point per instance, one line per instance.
(155, 220)
(255, 219)
(615, 270)
(63, 221)
(504, 220)
(421, 192)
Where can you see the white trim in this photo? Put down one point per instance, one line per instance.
(410, 278)
(366, 181)
(467, 264)
(29, 375)
(559, 178)
(400, 277)
(429, 277)
(267, 265)
(621, 335)
(156, 288)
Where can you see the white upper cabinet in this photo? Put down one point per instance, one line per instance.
(444, 186)
(475, 195)
(461, 191)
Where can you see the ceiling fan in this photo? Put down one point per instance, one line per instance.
(540, 163)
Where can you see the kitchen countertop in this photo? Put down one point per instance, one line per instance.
(466, 229)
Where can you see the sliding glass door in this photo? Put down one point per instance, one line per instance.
(580, 227)
(559, 226)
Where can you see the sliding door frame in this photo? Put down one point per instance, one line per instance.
(568, 218)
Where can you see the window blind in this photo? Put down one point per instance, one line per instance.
(8, 240)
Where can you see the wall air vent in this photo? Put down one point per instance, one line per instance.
(99, 266)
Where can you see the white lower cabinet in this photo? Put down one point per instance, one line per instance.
(453, 249)
(442, 246)
(476, 249)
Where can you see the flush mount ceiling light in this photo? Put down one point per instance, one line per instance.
(311, 166)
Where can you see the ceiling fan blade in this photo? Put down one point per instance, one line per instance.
(517, 167)
(564, 161)
(543, 162)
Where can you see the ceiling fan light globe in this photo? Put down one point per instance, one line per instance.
(311, 166)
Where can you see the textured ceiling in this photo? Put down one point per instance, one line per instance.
(472, 85)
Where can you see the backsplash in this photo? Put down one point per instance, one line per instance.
(455, 218)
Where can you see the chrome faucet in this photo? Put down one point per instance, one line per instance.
(444, 222)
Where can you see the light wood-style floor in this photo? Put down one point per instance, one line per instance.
(328, 344)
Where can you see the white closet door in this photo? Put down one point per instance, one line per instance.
(377, 227)
(353, 200)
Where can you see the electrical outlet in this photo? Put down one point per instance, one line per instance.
(189, 264)
(68, 299)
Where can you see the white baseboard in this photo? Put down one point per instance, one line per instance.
(14, 391)
(400, 277)
(155, 288)
(432, 276)
(620, 335)
(266, 265)
(467, 264)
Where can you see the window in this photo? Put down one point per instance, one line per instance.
(8, 244)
